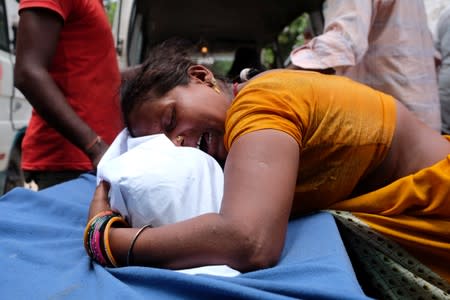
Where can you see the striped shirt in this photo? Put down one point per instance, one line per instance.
(385, 44)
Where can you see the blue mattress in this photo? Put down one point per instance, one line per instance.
(42, 257)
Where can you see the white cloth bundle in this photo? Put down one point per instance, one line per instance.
(155, 182)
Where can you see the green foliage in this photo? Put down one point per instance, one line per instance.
(290, 37)
(110, 7)
(221, 67)
(268, 57)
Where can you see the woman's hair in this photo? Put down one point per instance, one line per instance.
(164, 69)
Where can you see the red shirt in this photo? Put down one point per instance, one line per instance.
(85, 68)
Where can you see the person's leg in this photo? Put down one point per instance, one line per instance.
(47, 179)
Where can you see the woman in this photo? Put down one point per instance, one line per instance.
(291, 142)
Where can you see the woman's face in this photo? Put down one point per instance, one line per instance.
(192, 115)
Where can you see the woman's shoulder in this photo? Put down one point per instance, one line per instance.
(278, 81)
(299, 79)
(277, 74)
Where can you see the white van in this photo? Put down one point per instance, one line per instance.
(15, 111)
(220, 26)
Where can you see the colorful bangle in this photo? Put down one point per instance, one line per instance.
(89, 225)
(96, 237)
(133, 241)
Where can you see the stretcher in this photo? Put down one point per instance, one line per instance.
(42, 257)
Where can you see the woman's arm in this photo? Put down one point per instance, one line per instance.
(248, 233)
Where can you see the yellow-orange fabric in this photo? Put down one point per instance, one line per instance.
(344, 130)
(415, 212)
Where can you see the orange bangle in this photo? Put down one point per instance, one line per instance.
(88, 147)
(106, 238)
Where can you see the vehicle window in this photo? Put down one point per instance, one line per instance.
(4, 40)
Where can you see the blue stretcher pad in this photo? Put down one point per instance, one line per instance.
(42, 257)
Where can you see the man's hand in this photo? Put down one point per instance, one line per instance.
(96, 152)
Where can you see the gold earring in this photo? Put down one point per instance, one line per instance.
(215, 86)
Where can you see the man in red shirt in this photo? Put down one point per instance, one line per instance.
(66, 67)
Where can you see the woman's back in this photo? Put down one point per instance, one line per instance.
(354, 140)
(344, 129)
(414, 146)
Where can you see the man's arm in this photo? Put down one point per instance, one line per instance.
(37, 40)
(344, 40)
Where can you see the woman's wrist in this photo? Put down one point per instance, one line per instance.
(96, 237)
(100, 201)
(120, 239)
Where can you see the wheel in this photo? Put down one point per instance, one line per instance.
(14, 173)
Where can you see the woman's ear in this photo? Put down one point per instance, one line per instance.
(200, 73)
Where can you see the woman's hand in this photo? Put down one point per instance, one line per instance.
(100, 201)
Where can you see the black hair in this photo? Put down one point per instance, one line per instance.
(165, 68)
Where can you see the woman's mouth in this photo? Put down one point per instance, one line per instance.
(210, 144)
(204, 142)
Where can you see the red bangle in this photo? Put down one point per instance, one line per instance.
(97, 139)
